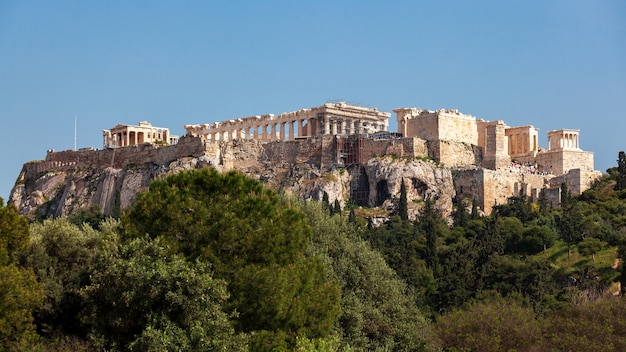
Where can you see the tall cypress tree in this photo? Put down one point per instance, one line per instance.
(566, 196)
(621, 168)
(403, 210)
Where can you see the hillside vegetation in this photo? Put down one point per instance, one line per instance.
(205, 261)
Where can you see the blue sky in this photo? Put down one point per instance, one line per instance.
(550, 64)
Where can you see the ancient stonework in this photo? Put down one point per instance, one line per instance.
(338, 149)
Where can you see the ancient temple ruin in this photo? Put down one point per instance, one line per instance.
(128, 135)
(329, 119)
(519, 164)
(491, 161)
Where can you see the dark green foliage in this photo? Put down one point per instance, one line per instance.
(352, 217)
(432, 226)
(227, 219)
(518, 207)
(20, 293)
(14, 233)
(460, 214)
(497, 325)
(290, 298)
(590, 246)
(404, 247)
(326, 202)
(141, 298)
(566, 196)
(474, 214)
(61, 255)
(403, 208)
(378, 312)
(337, 208)
(621, 172)
(91, 216)
(253, 239)
(593, 326)
(570, 224)
(459, 278)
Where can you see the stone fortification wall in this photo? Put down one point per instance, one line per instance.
(558, 162)
(308, 151)
(577, 180)
(490, 187)
(117, 158)
(402, 147)
(455, 154)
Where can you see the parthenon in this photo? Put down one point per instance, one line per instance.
(329, 119)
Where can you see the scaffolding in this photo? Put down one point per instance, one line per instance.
(351, 157)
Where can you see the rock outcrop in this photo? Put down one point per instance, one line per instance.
(111, 179)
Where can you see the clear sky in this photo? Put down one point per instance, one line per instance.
(550, 64)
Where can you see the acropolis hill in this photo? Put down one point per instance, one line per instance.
(341, 149)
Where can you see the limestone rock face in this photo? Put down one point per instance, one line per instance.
(423, 181)
(377, 183)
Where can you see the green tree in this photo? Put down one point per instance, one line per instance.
(621, 254)
(20, 293)
(378, 311)
(352, 217)
(570, 224)
(61, 255)
(497, 325)
(460, 214)
(403, 209)
(14, 233)
(433, 227)
(92, 216)
(566, 196)
(590, 246)
(242, 229)
(141, 298)
(337, 207)
(621, 172)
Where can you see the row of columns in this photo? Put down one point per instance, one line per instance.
(129, 137)
(265, 132)
(286, 130)
(565, 140)
(569, 141)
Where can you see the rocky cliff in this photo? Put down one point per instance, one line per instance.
(111, 178)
